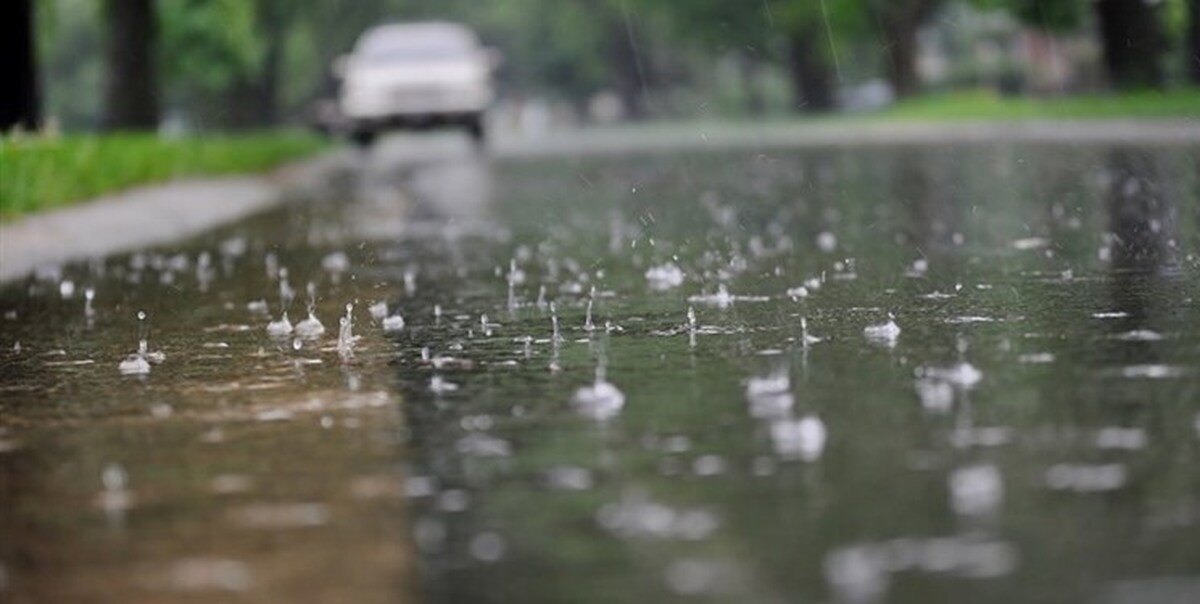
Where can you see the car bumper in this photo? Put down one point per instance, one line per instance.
(414, 104)
(412, 121)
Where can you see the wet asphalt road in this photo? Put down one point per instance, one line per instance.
(1030, 431)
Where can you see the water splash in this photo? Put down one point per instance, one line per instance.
(807, 339)
(115, 497)
(557, 336)
(439, 385)
(286, 294)
(311, 327)
(884, 334)
(803, 438)
(976, 490)
(280, 328)
(723, 299)
(588, 325)
(393, 323)
(664, 276)
(410, 281)
(89, 294)
(138, 363)
(771, 396)
(601, 400)
(378, 310)
(797, 292)
(346, 337)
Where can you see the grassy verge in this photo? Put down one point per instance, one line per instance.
(990, 106)
(37, 173)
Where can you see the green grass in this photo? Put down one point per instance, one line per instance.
(990, 106)
(38, 173)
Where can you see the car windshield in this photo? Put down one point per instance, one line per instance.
(415, 45)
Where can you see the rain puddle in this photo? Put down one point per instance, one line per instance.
(864, 375)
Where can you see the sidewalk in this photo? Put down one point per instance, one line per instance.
(149, 215)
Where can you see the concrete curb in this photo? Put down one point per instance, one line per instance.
(149, 215)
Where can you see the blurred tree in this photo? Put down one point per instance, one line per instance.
(631, 74)
(1191, 53)
(1048, 15)
(131, 91)
(810, 59)
(720, 28)
(899, 21)
(18, 106)
(1131, 35)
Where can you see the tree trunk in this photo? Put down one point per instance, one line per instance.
(1133, 43)
(812, 80)
(748, 69)
(629, 74)
(900, 22)
(901, 39)
(19, 104)
(131, 96)
(1192, 51)
(273, 24)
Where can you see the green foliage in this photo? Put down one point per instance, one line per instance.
(44, 172)
(1183, 103)
(1050, 15)
(208, 46)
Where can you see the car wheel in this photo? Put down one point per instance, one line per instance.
(475, 129)
(362, 138)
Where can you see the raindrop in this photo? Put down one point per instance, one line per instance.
(138, 363)
(937, 396)
(336, 262)
(826, 242)
(976, 490)
(554, 322)
(601, 400)
(89, 294)
(487, 547)
(664, 276)
(962, 375)
(802, 438)
(410, 281)
(280, 328)
(393, 323)
(346, 337)
(569, 478)
(438, 385)
(1087, 478)
(311, 327)
(378, 310)
(807, 339)
(115, 497)
(884, 333)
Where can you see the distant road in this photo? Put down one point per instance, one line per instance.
(839, 132)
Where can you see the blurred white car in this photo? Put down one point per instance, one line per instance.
(415, 76)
